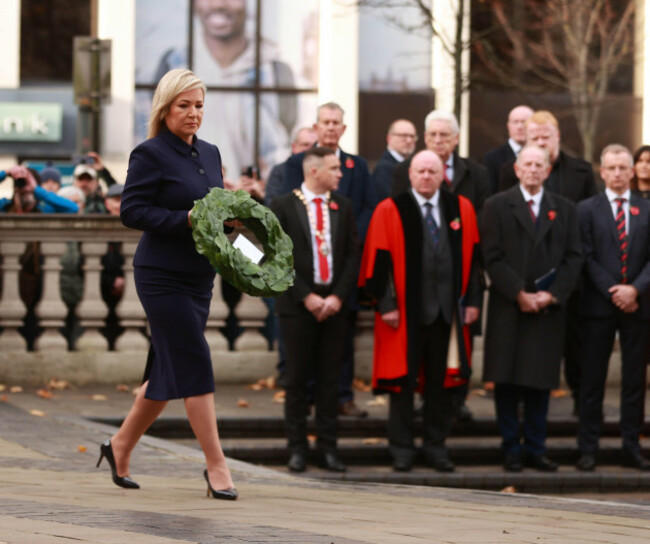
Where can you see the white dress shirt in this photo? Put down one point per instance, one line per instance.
(612, 196)
(537, 199)
(309, 197)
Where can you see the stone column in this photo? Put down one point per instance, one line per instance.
(251, 312)
(12, 309)
(129, 309)
(217, 319)
(51, 310)
(92, 311)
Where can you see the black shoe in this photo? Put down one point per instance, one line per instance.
(540, 462)
(587, 462)
(634, 459)
(439, 462)
(106, 450)
(402, 465)
(297, 462)
(350, 409)
(229, 494)
(512, 462)
(462, 413)
(330, 461)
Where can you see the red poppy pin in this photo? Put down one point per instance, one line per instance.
(333, 205)
(455, 224)
(634, 210)
(349, 163)
(552, 215)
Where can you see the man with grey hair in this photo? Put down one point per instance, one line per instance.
(497, 157)
(615, 233)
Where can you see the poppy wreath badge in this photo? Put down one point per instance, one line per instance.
(349, 163)
(552, 214)
(333, 205)
(275, 274)
(634, 210)
(455, 224)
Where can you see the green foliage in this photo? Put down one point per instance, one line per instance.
(269, 279)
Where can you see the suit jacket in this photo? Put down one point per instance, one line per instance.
(165, 176)
(470, 180)
(524, 348)
(575, 178)
(494, 160)
(602, 254)
(355, 185)
(382, 175)
(292, 215)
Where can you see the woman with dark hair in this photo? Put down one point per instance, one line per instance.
(166, 174)
(641, 180)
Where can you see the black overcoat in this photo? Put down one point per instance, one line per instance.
(524, 348)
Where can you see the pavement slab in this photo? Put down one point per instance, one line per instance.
(51, 492)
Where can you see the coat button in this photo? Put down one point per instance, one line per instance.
(195, 154)
(201, 171)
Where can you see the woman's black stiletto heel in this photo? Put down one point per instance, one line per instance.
(229, 494)
(105, 450)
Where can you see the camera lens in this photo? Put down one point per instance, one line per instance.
(20, 182)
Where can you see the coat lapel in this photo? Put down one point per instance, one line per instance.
(634, 219)
(459, 173)
(301, 213)
(334, 223)
(546, 217)
(520, 211)
(605, 211)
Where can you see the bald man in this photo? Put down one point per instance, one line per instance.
(419, 272)
(400, 145)
(497, 157)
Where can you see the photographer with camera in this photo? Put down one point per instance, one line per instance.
(30, 197)
(89, 170)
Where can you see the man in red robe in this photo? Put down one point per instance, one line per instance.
(419, 271)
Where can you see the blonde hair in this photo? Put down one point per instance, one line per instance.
(169, 87)
(543, 117)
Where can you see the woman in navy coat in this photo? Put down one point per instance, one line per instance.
(166, 174)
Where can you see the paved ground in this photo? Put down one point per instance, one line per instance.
(51, 492)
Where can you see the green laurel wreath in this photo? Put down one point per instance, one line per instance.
(269, 279)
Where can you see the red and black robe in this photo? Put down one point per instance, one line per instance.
(393, 257)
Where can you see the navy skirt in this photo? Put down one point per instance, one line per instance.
(177, 306)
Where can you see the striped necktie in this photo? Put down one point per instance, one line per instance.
(622, 236)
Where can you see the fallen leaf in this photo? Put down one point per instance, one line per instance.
(559, 393)
(44, 394)
(270, 382)
(256, 386)
(37, 413)
(279, 396)
(243, 403)
(2, 387)
(99, 397)
(509, 489)
(4, 398)
(478, 393)
(15, 389)
(82, 449)
(359, 385)
(122, 388)
(377, 401)
(58, 385)
(373, 441)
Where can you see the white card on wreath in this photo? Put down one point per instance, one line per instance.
(247, 247)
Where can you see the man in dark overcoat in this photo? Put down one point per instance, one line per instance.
(531, 251)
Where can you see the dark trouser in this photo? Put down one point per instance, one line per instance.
(346, 393)
(506, 401)
(598, 341)
(437, 410)
(313, 349)
(573, 346)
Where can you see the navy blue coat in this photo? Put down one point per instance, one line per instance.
(165, 176)
(355, 185)
(602, 254)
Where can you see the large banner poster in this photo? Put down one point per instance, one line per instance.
(258, 59)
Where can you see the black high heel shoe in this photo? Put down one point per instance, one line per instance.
(105, 450)
(229, 494)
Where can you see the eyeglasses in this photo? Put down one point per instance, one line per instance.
(441, 135)
(404, 135)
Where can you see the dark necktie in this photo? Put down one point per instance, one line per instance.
(622, 236)
(531, 202)
(445, 177)
(434, 231)
(320, 242)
